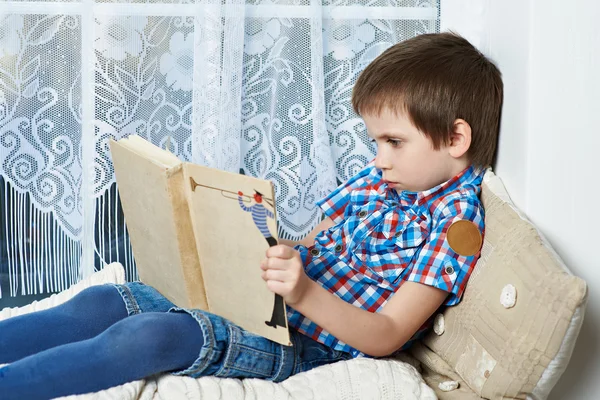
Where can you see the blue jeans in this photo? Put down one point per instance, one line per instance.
(104, 337)
(230, 351)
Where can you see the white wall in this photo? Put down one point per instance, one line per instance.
(563, 162)
(549, 154)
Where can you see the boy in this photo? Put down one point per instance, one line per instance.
(399, 240)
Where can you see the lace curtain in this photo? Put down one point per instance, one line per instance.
(257, 87)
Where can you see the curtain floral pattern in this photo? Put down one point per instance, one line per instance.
(256, 87)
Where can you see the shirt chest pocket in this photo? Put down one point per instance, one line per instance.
(389, 253)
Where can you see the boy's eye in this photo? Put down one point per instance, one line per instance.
(394, 142)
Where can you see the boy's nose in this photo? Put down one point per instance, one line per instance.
(381, 162)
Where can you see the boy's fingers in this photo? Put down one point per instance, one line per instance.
(275, 275)
(277, 287)
(281, 251)
(275, 263)
(274, 251)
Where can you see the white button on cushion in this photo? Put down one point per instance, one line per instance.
(447, 386)
(439, 326)
(508, 298)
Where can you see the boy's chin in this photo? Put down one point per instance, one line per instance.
(398, 188)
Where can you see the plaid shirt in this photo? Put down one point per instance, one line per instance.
(382, 238)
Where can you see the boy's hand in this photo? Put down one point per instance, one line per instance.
(284, 273)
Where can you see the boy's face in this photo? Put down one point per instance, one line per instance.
(405, 156)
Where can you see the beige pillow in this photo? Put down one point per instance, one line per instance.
(498, 351)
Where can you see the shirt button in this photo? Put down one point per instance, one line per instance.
(338, 248)
(398, 234)
(315, 252)
(449, 270)
(362, 214)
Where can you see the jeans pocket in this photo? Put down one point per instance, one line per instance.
(250, 356)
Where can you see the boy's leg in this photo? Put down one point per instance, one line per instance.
(82, 317)
(131, 349)
(232, 352)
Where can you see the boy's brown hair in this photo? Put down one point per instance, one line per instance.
(435, 79)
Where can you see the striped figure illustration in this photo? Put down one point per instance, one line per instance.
(259, 216)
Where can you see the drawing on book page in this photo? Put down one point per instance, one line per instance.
(259, 214)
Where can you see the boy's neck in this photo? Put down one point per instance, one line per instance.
(454, 170)
(458, 166)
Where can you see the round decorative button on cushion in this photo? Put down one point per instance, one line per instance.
(315, 252)
(449, 270)
(362, 214)
(508, 297)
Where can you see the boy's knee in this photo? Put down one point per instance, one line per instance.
(94, 297)
(152, 334)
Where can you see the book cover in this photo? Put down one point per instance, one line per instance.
(199, 234)
(150, 184)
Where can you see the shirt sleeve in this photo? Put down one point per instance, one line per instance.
(269, 213)
(334, 205)
(242, 205)
(436, 264)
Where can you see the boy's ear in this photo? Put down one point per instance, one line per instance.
(460, 139)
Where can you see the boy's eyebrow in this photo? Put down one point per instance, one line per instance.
(393, 135)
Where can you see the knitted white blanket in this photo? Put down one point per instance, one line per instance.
(359, 379)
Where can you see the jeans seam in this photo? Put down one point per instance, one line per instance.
(129, 300)
(225, 365)
(208, 347)
(282, 362)
(286, 369)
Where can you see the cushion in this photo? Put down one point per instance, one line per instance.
(502, 350)
(113, 273)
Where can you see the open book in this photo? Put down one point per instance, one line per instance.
(199, 234)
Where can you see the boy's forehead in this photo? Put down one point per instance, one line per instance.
(387, 123)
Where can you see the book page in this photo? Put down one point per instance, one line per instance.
(233, 233)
